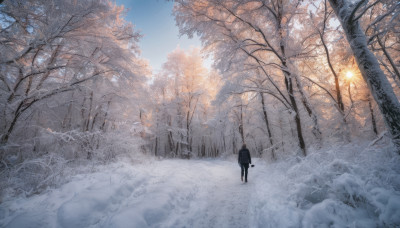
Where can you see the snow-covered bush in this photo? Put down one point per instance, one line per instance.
(60, 154)
(352, 185)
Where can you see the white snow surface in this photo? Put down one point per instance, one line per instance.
(348, 186)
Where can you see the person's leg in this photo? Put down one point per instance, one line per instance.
(242, 170)
(246, 169)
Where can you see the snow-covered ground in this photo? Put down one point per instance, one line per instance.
(169, 193)
(342, 187)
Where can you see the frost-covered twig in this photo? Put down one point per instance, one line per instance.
(365, 10)
(380, 136)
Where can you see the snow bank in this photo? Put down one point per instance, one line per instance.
(346, 186)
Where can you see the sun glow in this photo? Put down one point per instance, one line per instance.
(349, 74)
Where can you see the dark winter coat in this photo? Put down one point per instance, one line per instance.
(244, 156)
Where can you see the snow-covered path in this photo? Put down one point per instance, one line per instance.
(225, 199)
(170, 193)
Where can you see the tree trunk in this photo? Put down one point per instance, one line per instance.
(289, 88)
(89, 113)
(282, 134)
(241, 127)
(188, 136)
(68, 117)
(105, 116)
(373, 121)
(336, 77)
(6, 135)
(268, 127)
(316, 131)
(156, 147)
(223, 139)
(233, 143)
(370, 69)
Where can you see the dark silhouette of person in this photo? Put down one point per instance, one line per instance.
(244, 159)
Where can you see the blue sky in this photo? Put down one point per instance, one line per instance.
(154, 20)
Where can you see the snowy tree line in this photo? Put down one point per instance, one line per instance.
(181, 108)
(289, 75)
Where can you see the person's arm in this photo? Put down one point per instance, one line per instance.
(239, 157)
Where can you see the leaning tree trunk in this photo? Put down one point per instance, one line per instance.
(370, 69)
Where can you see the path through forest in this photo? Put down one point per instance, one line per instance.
(226, 199)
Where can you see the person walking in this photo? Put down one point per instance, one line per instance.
(244, 159)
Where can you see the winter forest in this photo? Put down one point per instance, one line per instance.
(92, 136)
